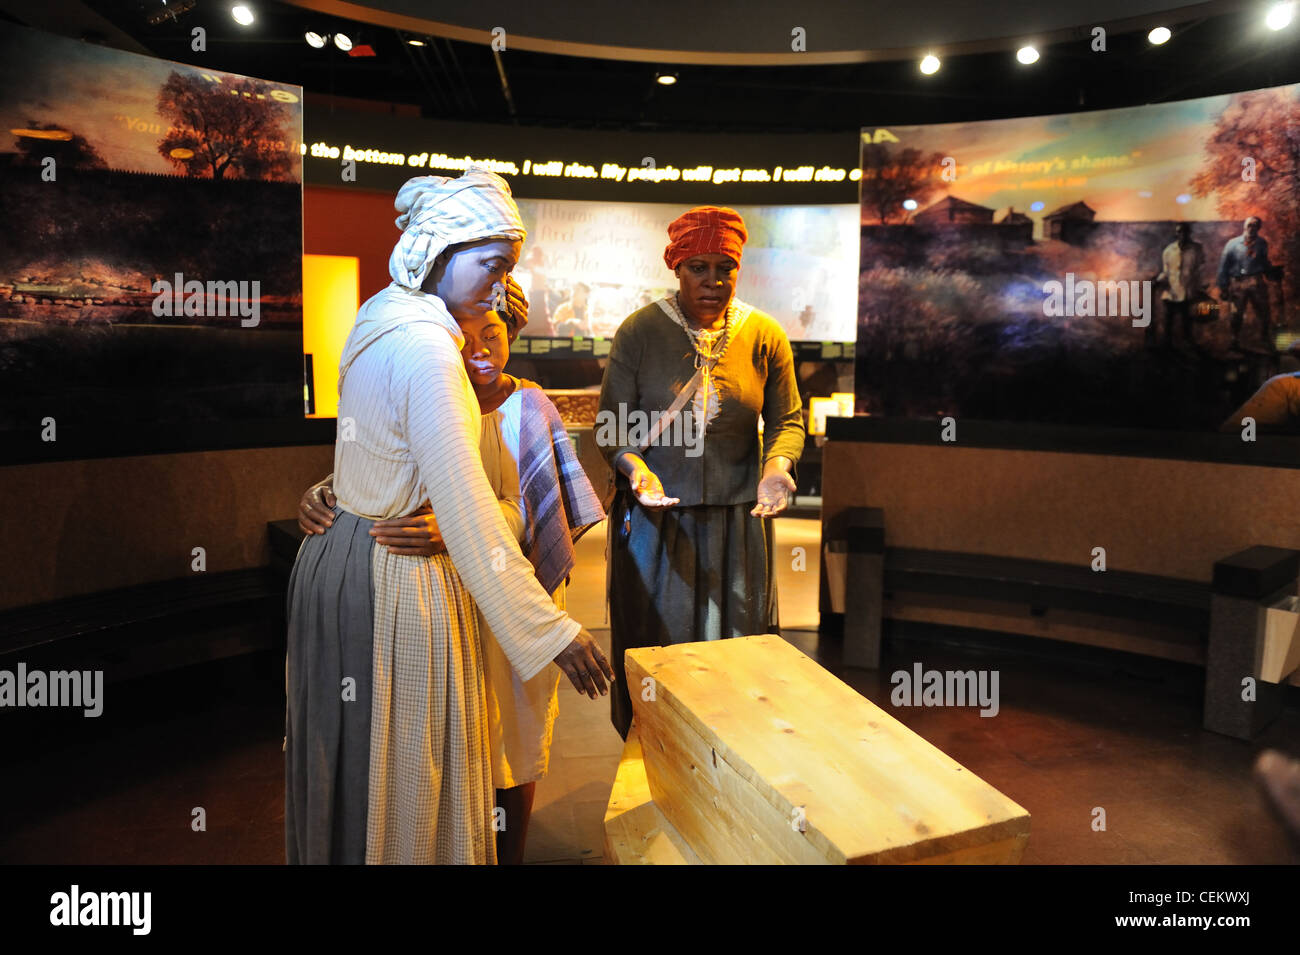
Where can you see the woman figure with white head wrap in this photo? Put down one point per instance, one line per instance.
(387, 749)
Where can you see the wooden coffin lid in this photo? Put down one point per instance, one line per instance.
(871, 789)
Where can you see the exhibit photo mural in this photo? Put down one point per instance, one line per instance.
(151, 264)
(589, 265)
(1127, 268)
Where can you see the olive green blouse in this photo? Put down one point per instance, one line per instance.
(651, 359)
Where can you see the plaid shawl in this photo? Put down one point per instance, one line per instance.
(560, 504)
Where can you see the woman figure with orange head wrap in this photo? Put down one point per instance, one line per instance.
(691, 544)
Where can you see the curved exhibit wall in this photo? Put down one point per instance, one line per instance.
(116, 343)
(93, 525)
(1165, 517)
(152, 300)
(1030, 271)
(1169, 518)
(1014, 402)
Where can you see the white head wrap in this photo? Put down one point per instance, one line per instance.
(437, 212)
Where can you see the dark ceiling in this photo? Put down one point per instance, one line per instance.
(460, 80)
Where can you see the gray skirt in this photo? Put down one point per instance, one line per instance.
(685, 574)
(327, 722)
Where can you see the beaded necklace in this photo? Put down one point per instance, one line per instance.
(709, 346)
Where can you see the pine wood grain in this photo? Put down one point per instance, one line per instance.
(636, 832)
(746, 736)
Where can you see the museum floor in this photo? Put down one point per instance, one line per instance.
(1074, 732)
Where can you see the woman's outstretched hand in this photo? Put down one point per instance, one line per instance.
(585, 665)
(648, 489)
(415, 535)
(774, 490)
(315, 510)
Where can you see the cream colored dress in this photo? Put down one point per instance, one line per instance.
(409, 429)
(521, 713)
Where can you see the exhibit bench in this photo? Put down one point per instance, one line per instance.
(133, 631)
(746, 751)
(1243, 622)
(149, 628)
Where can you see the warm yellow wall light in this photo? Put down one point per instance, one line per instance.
(331, 292)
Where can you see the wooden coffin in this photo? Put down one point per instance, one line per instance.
(753, 753)
(1281, 656)
(636, 832)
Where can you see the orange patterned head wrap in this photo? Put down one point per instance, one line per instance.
(703, 230)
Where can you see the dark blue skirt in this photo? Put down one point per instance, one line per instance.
(327, 736)
(685, 574)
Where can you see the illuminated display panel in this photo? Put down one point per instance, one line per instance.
(1029, 269)
(586, 266)
(330, 299)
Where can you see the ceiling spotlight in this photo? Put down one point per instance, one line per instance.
(665, 79)
(1027, 55)
(930, 64)
(415, 42)
(1159, 35)
(243, 15)
(1280, 16)
(314, 40)
(343, 41)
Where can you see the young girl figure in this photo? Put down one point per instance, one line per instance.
(548, 502)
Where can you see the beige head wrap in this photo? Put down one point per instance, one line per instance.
(437, 212)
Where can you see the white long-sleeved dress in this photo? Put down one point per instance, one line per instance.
(410, 428)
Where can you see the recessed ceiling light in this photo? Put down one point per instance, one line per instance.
(666, 79)
(1280, 16)
(343, 41)
(415, 42)
(930, 64)
(1027, 55)
(314, 40)
(1159, 35)
(242, 14)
